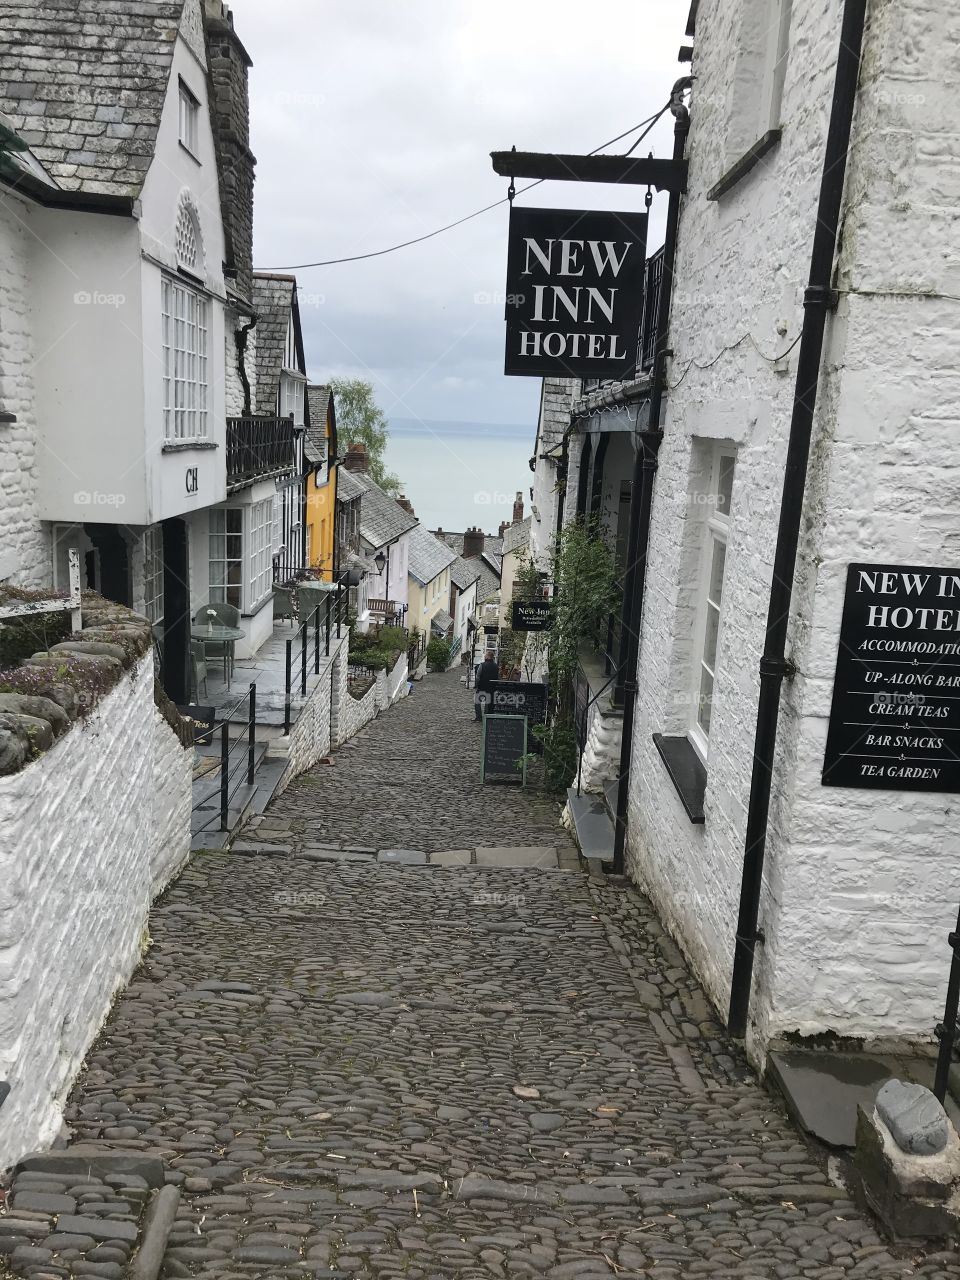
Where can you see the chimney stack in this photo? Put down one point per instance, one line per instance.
(228, 64)
(356, 458)
(504, 525)
(472, 543)
(404, 501)
(518, 507)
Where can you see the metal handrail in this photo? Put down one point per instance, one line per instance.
(325, 618)
(246, 765)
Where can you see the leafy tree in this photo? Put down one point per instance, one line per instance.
(360, 420)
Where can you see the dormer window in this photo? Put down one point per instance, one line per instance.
(189, 121)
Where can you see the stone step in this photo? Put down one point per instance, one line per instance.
(592, 824)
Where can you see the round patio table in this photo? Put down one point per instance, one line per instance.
(216, 634)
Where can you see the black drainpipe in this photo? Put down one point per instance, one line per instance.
(240, 338)
(641, 494)
(819, 298)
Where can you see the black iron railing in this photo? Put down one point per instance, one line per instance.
(416, 651)
(304, 647)
(258, 447)
(238, 758)
(651, 310)
(647, 337)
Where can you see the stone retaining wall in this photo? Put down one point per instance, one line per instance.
(90, 831)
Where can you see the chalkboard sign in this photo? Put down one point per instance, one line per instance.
(504, 749)
(896, 694)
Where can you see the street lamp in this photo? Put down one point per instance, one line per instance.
(380, 561)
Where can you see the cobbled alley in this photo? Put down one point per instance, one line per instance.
(353, 1068)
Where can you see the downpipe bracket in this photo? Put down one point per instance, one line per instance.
(751, 939)
(781, 668)
(821, 296)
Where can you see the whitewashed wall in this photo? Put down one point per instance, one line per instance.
(79, 866)
(24, 548)
(860, 887)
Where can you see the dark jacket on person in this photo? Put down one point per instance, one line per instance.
(486, 674)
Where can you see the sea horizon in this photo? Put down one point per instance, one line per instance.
(461, 474)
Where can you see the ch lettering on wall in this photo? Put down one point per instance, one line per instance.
(192, 480)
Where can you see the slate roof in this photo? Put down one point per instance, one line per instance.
(517, 536)
(442, 621)
(348, 486)
(489, 584)
(556, 401)
(491, 541)
(318, 402)
(463, 573)
(273, 296)
(382, 520)
(428, 555)
(83, 82)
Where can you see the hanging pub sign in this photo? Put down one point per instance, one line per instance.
(530, 615)
(574, 296)
(895, 718)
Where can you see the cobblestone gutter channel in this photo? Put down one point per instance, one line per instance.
(355, 1069)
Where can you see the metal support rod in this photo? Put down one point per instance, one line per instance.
(287, 685)
(818, 299)
(303, 659)
(252, 736)
(641, 506)
(316, 641)
(948, 1032)
(224, 775)
(329, 602)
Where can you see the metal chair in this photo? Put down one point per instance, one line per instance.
(283, 603)
(227, 615)
(198, 669)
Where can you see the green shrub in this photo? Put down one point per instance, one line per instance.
(438, 654)
(22, 637)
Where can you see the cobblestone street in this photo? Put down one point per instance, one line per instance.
(360, 1069)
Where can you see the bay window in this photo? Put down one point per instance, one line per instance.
(153, 573)
(184, 343)
(241, 555)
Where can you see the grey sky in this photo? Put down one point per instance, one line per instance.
(372, 121)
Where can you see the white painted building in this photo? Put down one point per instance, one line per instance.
(860, 887)
(464, 585)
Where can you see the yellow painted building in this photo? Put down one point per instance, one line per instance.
(320, 448)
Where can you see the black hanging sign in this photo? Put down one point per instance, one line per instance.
(530, 615)
(895, 718)
(574, 292)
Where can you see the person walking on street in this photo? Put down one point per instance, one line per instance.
(487, 672)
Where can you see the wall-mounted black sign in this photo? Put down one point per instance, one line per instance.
(895, 718)
(504, 750)
(531, 615)
(574, 292)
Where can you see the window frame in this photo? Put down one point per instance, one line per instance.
(188, 120)
(717, 531)
(255, 559)
(185, 371)
(153, 601)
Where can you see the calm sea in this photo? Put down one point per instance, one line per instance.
(459, 474)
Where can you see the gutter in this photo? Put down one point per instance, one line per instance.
(819, 298)
(641, 492)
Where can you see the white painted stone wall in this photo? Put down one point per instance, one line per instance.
(89, 833)
(25, 558)
(860, 887)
